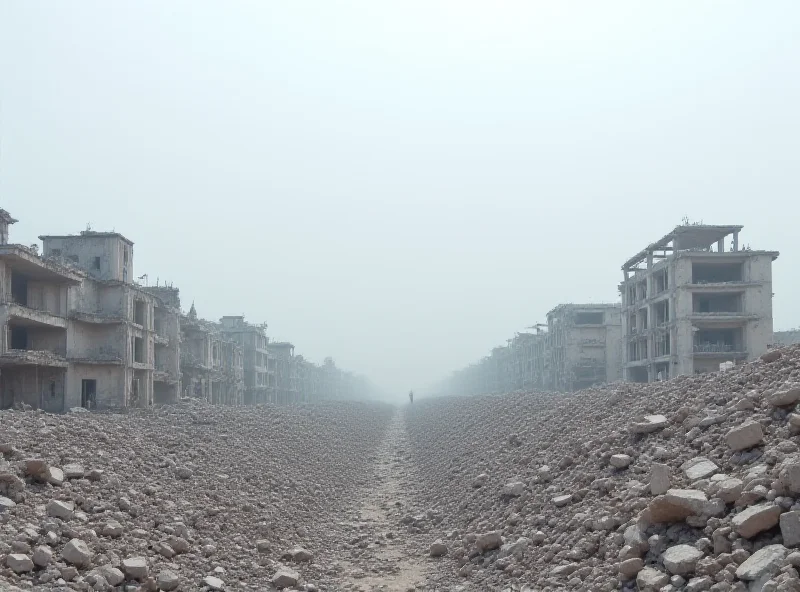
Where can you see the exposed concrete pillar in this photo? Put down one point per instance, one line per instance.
(721, 245)
(736, 240)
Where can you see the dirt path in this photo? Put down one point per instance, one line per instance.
(387, 558)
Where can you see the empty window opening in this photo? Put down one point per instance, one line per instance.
(660, 281)
(19, 337)
(55, 252)
(139, 315)
(662, 313)
(662, 345)
(637, 374)
(716, 303)
(19, 289)
(714, 273)
(138, 350)
(74, 259)
(134, 392)
(589, 318)
(96, 263)
(718, 340)
(88, 393)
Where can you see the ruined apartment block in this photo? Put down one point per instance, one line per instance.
(286, 388)
(112, 338)
(166, 350)
(583, 346)
(252, 341)
(34, 325)
(212, 364)
(690, 304)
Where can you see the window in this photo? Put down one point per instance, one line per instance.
(96, 264)
(73, 258)
(55, 252)
(589, 318)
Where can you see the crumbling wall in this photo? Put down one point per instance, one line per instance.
(111, 385)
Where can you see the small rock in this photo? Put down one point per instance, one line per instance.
(513, 489)
(59, 509)
(136, 568)
(77, 553)
(284, 578)
(648, 424)
(489, 541)
(620, 461)
(749, 522)
(19, 562)
(681, 559)
(167, 580)
(763, 563)
(438, 548)
(790, 528)
(42, 556)
(215, 583)
(745, 436)
(659, 478)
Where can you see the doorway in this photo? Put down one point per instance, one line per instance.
(89, 393)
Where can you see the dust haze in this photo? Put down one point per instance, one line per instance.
(400, 186)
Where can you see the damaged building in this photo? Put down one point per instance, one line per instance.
(34, 325)
(212, 364)
(691, 304)
(252, 345)
(112, 337)
(583, 346)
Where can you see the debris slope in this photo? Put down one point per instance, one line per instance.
(185, 497)
(690, 484)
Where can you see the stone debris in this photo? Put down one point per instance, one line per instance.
(184, 497)
(690, 484)
(745, 436)
(686, 485)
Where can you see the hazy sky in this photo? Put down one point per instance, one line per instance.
(401, 185)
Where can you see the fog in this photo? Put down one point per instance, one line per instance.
(400, 185)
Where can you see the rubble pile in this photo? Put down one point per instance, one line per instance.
(184, 497)
(691, 484)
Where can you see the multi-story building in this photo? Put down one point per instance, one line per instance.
(688, 307)
(111, 338)
(253, 342)
(34, 325)
(583, 346)
(285, 371)
(166, 341)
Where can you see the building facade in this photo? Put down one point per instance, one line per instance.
(690, 304)
(583, 345)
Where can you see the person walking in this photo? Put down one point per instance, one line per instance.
(410, 396)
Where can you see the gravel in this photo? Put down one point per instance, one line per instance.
(687, 485)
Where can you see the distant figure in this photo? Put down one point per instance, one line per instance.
(410, 396)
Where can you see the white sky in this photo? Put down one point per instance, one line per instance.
(401, 185)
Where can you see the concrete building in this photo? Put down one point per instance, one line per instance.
(166, 344)
(689, 304)
(111, 346)
(212, 362)
(583, 346)
(34, 326)
(252, 340)
(286, 390)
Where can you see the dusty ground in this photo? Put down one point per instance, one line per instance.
(524, 491)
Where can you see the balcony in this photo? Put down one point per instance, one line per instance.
(96, 318)
(33, 317)
(31, 357)
(101, 356)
